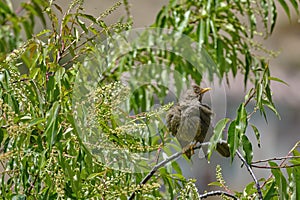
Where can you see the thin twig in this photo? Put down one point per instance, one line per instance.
(252, 174)
(33, 183)
(249, 99)
(281, 164)
(88, 27)
(163, 163)
(278, 158)
(254, 111)
(8, 172)
(217, 193)
(275, 167)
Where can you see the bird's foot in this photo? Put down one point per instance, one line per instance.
(189, 150)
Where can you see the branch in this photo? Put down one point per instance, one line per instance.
(275, 167)
(282, 163)
(33, 183)
(249, 98)
(252, 174)
(217, 193)
(272, 159)
(163, 163)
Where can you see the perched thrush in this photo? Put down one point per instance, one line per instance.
(189, 120)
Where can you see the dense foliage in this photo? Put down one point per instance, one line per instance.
(43, 153)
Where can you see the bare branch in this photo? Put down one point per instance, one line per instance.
(275, 167)
(272, 159)
(252, 174)
(217, 193)
(163, 163)
(282, 163)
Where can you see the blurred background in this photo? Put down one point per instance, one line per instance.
(277, 136)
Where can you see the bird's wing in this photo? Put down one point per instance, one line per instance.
(173, 119)
(205, 118)
(190, 125)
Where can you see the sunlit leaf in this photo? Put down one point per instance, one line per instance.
(233, 139)
(271, 192)
(257, 134)
(278, 80)
(247, 147)
(236, 130)
(217, 136)
(280, 181)
(52, 127)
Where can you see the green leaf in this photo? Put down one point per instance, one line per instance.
(294, 175)
(36, 121)
(285, 7)
(236, 130)
(92, 176)
(248, 63)
(167, 181)
(271, 107)
(43, 32)
(38, 95)
(178, 176)
(296, 183)
(247, 147)
(259, 91)
(265, 10)
(176, 167)
(184, 23)
(201, 33)
(52, 124)
(295, 5)
(268, 93)
(280, 181)
(249, 93)
(217, 136)
(241, 119)
(273, 15)
(257, 134)
(90, 17)
(220, 56)
(271, 192)
(1, 135)
(233, 139)
(215, 184)
(58, 8)
(252, 19)
(39, 8)
(82, 24)
(277, 79)
(250, 190)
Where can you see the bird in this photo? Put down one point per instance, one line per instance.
(189, 120)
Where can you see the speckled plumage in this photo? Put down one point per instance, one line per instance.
(189, 119)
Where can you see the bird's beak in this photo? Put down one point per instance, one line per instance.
(203, 90)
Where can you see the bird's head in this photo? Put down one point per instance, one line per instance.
(200, 91)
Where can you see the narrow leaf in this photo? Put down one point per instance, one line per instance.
(285, 7)
(278, 80)
(233, 139)
(52, 124)
(271, 192)
(217, 136)
(257, 134)
(280, 181)
(36, 121)
(247, 147)
(295, 5)
(273, 16)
